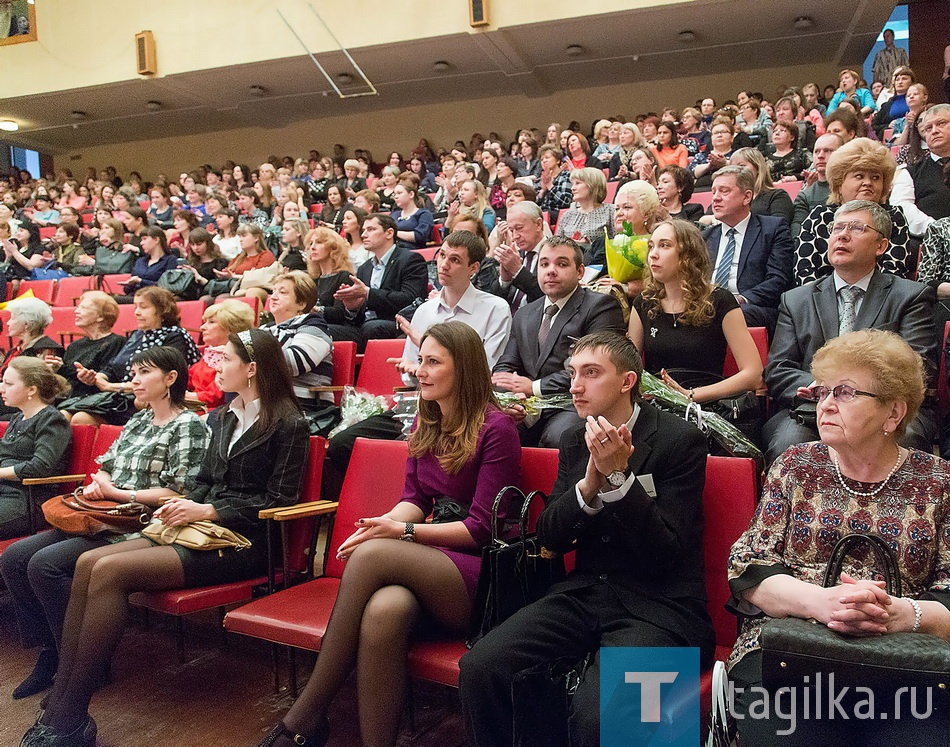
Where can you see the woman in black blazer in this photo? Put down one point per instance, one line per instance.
(256, 459)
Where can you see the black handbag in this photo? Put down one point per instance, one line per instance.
(181, 283)
(111, 262)
(794, 649)
(514, 573)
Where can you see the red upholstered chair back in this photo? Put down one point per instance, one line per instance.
(761, 338)
(344, 365)
(376, 376)
(538, 472)
(80, 456)
(300, 531)
(729, 500)
(105, 437)
(372, 486)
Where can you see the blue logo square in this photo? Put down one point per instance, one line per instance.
(649, 696)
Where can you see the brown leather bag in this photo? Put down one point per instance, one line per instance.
(74, 514)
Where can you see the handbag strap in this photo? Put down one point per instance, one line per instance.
(882, 551)
(526, 513)
(495, 539)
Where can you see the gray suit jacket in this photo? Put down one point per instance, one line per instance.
(808, 318)
(586, 311)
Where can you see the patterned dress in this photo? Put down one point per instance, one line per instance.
(804, 511)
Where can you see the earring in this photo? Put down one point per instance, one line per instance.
(248, 382)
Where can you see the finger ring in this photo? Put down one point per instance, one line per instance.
(604, 440)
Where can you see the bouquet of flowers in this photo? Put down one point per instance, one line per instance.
(626, 254)
(534, 405)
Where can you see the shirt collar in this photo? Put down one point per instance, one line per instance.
(863, 283)
(560, 303)
(384, 260)
(466, 303)
(633, 418)
(245, 414)
(740, 227)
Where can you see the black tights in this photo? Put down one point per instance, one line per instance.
(386, 585)
(96, 616)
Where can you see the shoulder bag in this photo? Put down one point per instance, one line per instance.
(793, 649)
(75, 514)
(514, 573)
(110, 262)
(197, 535)
(181, 283)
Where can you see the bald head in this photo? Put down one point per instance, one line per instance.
(824, 147)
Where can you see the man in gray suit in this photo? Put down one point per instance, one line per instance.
(856, 296)
(542, 334)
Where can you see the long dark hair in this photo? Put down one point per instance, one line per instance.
(167, 359)
(274, 383)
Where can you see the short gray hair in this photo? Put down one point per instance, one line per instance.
(935, 109)
(880, 218)
(527, 209)
(745, 179)
(33, 312)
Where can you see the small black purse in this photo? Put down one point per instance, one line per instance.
(514, 574)
(796, 652)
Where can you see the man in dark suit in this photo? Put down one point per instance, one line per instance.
(752, 255)
(628, 498)
(389, 281)
(542, 334)
(516, 278)
(856, 296)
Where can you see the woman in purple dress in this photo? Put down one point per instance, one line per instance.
(463, 451)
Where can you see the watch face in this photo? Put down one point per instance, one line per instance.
(616, 479)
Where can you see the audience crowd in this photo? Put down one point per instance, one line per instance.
(774, 229)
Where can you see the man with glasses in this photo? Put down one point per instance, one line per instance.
(857, 295)
(920, 189)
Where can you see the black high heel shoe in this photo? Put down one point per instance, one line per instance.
(280, 736)
(40, 735)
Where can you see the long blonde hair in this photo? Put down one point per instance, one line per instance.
(481, 201)
(453, 438)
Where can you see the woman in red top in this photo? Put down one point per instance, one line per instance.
(220, 320)
(253, 255)
(578, 152)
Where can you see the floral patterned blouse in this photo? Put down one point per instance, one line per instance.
(804, 511)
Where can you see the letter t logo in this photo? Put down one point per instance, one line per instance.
(649, 692)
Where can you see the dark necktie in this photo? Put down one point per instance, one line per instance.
(518, 298)
(545, 330)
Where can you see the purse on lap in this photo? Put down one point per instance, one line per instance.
(793, 649)
(197, 535)
(74, 514)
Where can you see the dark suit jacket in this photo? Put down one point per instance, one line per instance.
(264, 469)
(526, 281)
(405, 279)
(765, 259)
(648, 549)
(808, 318)
(586, 311)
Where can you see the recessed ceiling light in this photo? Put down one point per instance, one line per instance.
(441, 66)
(575, 50)
(344, 78)
(686, 36)
(8, 125)
(153, 106)
(77, 115)
(803, 23)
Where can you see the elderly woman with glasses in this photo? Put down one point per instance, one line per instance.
(858, 170)
(857, 479)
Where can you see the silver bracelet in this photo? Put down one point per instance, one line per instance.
(917, 613)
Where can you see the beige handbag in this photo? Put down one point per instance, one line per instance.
(258, 277)
(198, 535)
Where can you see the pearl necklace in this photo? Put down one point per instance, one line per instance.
(878, 489)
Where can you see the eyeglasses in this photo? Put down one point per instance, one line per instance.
(245, 337)
(841, 393)
(853, 227)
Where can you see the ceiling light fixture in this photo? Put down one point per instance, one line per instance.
(686, 36)
(257, 90)
(8, 125)
(803, 23)
(441, 66)
(344, 79)
(575, 50)
(153, 106)
(77, 116)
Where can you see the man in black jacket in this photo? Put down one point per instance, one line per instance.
(387, 282)
(628, 498)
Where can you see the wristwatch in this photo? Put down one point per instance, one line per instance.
(617, 479)
(410, 534)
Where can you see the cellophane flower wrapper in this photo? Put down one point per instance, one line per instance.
(356, 407)
(725, 433)
(626, 254)
(535, 404)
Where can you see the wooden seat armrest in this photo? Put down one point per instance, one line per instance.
(327, 388)
(299, 510)
(53, 480)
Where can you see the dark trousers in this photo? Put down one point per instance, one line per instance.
(555, 633)
(547, 432)
(38, 572)
(374, 329)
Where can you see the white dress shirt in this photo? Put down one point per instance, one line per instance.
(615, 494)
(741, 228)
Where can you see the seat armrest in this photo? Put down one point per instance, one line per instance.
(52, 480)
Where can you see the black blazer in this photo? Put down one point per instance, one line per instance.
(526, 281)
(405, 279)
(586, 311)
(264, 469)
(649, 550)
(808, 318)
(765, 259)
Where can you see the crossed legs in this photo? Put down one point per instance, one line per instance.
(386, 585)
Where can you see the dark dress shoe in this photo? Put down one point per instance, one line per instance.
(41, 678)
(281, 736)
(40, 735)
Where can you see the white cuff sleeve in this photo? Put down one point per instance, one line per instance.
(612, 496)
(536, 388)
(590, 510)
